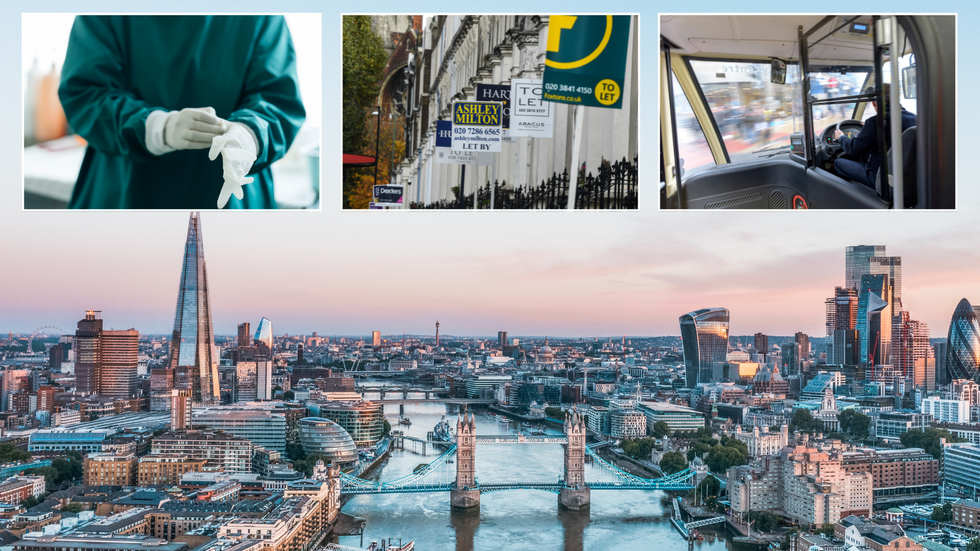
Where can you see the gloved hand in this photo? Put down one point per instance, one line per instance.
(238, 148)
(191, 128)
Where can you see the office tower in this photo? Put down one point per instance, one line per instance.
(789, 362)
(56, 355)
(501, 339)
(892, 267)
(963, 344)
(161, 383)
(841, 321)
(263, 338)
(192, 345)
(874, 319)
(762, 346)
(802, 341)
(88, 348)
(246, 382)
(437, 333)
(299, 354)
(704, 334)
(119, 356)
(263, 379)
(244, 334)
(376, 338)
(857, 263)
(180, 410)
(45, 398)
(15, 381)
(912, 356)
(939, 352)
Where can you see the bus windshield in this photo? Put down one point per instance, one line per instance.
(829, 85)
(752, 113)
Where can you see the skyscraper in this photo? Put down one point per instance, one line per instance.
(263, 338)
(192, 345)
(762, 346)
(911, 354)
(862, 260)
(88, 346)
(376, 338)
(106, 361)
(244, 334)
(704, 334)
(874, 319)
(437, 333)
(501, 339)
(963, 344)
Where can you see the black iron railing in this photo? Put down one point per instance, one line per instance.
(614, 186)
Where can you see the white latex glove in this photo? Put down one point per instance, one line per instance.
(238, 148)
(191, 128)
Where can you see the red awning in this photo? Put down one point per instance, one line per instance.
(357, 160)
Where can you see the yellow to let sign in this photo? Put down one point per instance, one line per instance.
(477, 113)
(585, 61)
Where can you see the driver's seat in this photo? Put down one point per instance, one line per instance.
(909, 169)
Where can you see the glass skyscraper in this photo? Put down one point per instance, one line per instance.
(705, 338)
(192, 346)
(963, 345)
(263, 338)
(874, 320)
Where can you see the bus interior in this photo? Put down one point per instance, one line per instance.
(736, 132)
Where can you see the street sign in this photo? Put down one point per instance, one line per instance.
(501, 93)
(585, 62)
(530, 115)
(388, 194)
(476, 126)
(444, 142)
(496, 92)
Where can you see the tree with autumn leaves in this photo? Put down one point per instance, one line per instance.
(364, 63)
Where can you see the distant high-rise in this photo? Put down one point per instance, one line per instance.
(862, 260)
(15, 381)
(874, 319)
(106, 360)
(263, 338)
(501, 339)
(912, 356)
(88, 350)
(762, 346)
(244, 334)
(939, 351)
(704, 334)
(437, 333)
(180, 410)
(376, 338)
(963, 344)
(192, 345)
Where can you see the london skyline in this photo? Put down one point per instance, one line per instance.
(582, 286)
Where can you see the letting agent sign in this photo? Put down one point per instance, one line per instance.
(444, 147)
(530, 116)
(586, 59)
(477, 126)
(388, 194)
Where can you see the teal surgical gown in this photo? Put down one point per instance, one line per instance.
(121, 68)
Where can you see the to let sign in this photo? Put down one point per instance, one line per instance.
(477, 126)
(585, 62)
(530, 116)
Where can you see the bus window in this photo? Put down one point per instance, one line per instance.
(828, 85)
(906, 94)
(751, 112)
(691, 144)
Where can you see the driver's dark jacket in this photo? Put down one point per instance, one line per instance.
(864, 147)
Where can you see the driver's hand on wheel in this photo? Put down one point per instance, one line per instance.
(838, 135)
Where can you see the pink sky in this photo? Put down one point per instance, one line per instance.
(532, 273)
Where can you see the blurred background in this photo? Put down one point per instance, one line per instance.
(53, 155)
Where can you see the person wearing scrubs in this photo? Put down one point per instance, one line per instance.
(180, 112)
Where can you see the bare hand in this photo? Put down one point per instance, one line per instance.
(838, 135)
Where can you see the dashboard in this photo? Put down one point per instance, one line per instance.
(850, 129)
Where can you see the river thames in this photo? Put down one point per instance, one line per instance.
(516, 519)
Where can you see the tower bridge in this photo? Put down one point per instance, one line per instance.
(574, 491)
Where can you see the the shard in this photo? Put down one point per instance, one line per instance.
(192, 347)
